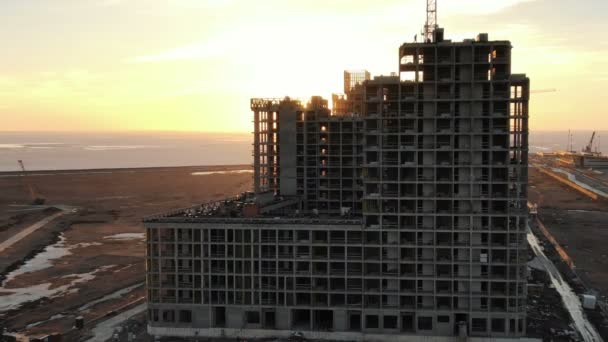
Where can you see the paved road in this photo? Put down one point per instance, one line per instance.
(586, 178)
(570, 299)
(104, 330)
(27, 231)
(592, 181)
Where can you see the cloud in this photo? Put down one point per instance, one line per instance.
(51, 86)
(477, 7)
(256, 27)
(213, 47)
(198, 88)
(204, 4)
(193, 51)
(218, 45)
(109, 3)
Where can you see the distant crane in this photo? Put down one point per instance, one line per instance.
(570, 138)
(589, 147)
(36, 199)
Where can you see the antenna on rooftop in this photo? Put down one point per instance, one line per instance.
(431, 20)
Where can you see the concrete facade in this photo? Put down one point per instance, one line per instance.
(406, 218)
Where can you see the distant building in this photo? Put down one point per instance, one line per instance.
(402, 212)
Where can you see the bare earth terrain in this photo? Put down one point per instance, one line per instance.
(89, 260)
(96, 246)
(579, 224)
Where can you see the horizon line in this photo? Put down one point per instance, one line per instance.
(229, 132)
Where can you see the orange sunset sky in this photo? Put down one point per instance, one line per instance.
(192, 65)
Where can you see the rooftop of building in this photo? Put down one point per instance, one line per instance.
(383, 79)
(481, 39)
(251, 208)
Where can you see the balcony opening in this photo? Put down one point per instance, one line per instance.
(269, 319)
(355, 322)
(407, 322)
(220, 316)
(460, 322)
(323, 319)
(407, 59)
(252, 317)
(371, 322)
(168, 316)
(479, 325)
(425, 323)
(337, 300)
(390, 322)
(300, 319)
(303, 298)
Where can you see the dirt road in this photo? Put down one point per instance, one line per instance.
(27, 231)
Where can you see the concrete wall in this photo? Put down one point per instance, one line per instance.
(340, 320)
(287, 149)
(313, 335)
(283, 318)
(201, 315)
(235, 317)
(443, 324)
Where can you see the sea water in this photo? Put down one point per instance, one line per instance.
(72, 151)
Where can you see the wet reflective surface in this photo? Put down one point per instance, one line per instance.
(206, 173)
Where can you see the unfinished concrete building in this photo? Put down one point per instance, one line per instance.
(407, 217)
(352, 100)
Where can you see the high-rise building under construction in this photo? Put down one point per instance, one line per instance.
(403, 211)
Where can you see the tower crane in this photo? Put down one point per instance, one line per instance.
(589, 147)
(36, 199)
(431, 20)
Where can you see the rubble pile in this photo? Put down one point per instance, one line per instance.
(547, 317)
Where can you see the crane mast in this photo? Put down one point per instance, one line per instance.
(36, 200)
(431, 20)
(26, 180)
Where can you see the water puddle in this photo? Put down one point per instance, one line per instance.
(116, 147)
(52, 318)
(106, 198)
(14, 298)
(45, 258)
(126, 236)
(206, 173)
(584, 211)
(11, 146)
(569, 298)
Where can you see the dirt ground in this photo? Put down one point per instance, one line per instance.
(579, 224)
(546, 314)
(109, 202)
(114, 201)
